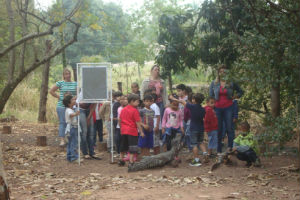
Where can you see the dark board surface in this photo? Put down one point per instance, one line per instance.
(94, 83)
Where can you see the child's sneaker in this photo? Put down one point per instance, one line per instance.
(194, 163)
(126, 158)
(134, 157)
(121, 163)
(62, 142)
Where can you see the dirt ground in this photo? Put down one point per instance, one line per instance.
(43, 173)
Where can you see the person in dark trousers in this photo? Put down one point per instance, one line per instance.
(224, 91)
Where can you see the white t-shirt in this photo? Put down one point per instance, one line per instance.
(156, 110)
(97, 111)
(69, 120)
(119, 113)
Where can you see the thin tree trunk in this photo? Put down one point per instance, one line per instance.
(170, 82)
(12, 54)
(275, 100)
(139, 72)
(126, 66)
(4, 191)
(44, 87)
(63, 54)
(24, 33)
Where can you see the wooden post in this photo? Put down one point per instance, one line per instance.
(6, 130)
(120, 87)
(102, 146)
(41, 140)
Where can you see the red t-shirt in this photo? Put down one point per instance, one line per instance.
(223, 101)
(210, 119)
(129, 116)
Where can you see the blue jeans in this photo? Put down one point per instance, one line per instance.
(62, 121)
(170, 134)
(225, 114)
(162, 109)
(117, 137)
(187, 135)
(87, 133)
(212, 139)
(224, 133)
(72, 153)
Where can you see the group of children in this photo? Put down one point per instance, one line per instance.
(138, 125)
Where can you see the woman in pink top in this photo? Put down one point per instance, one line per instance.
(172, 123)
(224, 92)
(157, 84)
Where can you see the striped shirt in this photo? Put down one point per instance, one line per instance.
(65, 87)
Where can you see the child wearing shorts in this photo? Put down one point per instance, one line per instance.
(130, 122)
(147, 117)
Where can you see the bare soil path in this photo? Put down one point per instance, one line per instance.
(43, 173)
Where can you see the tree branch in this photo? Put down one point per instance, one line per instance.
(24, 39)
(252, 109)
(48, 58)
(36, 35)
(57, 51)
(281, 9)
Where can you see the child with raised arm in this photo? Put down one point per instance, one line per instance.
(172, 122)
(130, 122)
(196, 127)
(72, 127)
(147, 116)
(211, 125)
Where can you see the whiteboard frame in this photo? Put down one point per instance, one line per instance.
(81, 66)
(109, 98)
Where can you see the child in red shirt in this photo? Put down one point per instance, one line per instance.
(130, 122)
(211, 125)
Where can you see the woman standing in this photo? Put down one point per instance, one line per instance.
(157, 84)
(66, 86)
(224, 92)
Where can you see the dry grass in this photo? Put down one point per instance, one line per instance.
(24, 104)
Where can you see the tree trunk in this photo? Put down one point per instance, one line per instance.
(275, 100)
(24, 33)
(6, 130)
(74, 68)
(44, 87)
(158, 160)
(63, 54)
(5, 94)
(170, 82)
(120, 86)
(4, 191)
(126, 66)
(12, 54)
(41, 141)
(139, 72)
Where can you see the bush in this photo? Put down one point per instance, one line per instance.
(278, 130)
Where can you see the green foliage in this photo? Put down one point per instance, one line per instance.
(175, 36)
(105, 32)
(278, 130)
